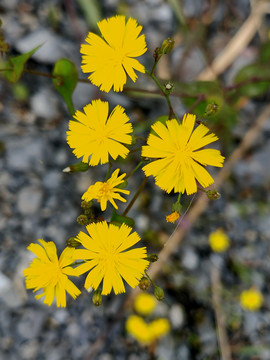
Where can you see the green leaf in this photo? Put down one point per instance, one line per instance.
(16, 65)
(255, 88)
(65, 81)
(92, 12)
(119, 220)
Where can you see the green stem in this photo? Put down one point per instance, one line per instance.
(135, 196)
(171, 113)
(109, 170)
(136, 168)
(148, 277)
(155, 64)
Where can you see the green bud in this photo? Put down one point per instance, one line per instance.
(144, 283)
(152, 258)
(97, 298)
(159, 293)
(79, 167)
(213, 194)
(169, 86)
(211, 108)
(82, 219)
(72, 242)
(167, 46)
(177, 207)
(86, 204)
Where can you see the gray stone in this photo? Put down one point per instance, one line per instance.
(177, 316)
(190, 259)
(44, 104)
(29, 200)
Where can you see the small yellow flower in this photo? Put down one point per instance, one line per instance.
(111, 58)
(96, 135)
(146, 333)
(48, 273)
(251, 300)
(107, 258)
(145, 304)
(107, 191)
(139, 329)
(173, 217)
(159, 328)
(179, 163)
(219, 241)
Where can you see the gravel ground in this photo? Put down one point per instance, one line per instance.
(37, 200)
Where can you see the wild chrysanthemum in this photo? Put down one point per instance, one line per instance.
(48, 273)
(110, 58)
(179, 162)
(107, 191)
(107, 257)
(251, 300)
(219, 240)
(96, 136)
(145, 303)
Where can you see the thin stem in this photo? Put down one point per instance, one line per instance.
(109, 170)
(171, 113)
(148, 277)
(135, 196)
(133, 171)
(155, 64)
(40, 73)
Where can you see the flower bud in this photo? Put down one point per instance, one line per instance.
(82, 219)
(167, 46)
(169, 86)
(152, 258)
(97, 298)
(211, 108)
(144, 283)
(213, 194)
(72, 242)
(159, 293)
(86, 204)
(79, 167)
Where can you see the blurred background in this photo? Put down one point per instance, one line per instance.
(221, 56)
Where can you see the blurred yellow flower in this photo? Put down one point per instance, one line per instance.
(145, 303)
(146, 333)
(111, 57)
(251, 299)
(173, 217)
(96, 135)
(219, 241)
(107, 191)
(179, 162)
(48, 273)
(107, 258)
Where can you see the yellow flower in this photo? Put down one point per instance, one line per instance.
(145, 303)
(110, 58)
(146, 333)
(106, 191)
(107, 257)
(178, 159)
(173, 217)
(48, 273)
(219, 241)
(159, 328)
(97, 136)
(139, 329)
(251, 299)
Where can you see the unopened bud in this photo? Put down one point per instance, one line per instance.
(167, 46)
(152, 258)
(97, 298)
(144, 283)
(159, 293)
(211, 108)
(169, 86)
(86, 204)
(213, 194)
(82, 219)
(79, 167)
(72, 242)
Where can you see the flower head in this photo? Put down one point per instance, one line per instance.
(173, 217)
(145, 303)
(179, 162)
(48, 273)
(107, 258)
(111, 57)
(146, 333)
(251, 299)
(219, 241)
(107, 191)
(97, 136)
